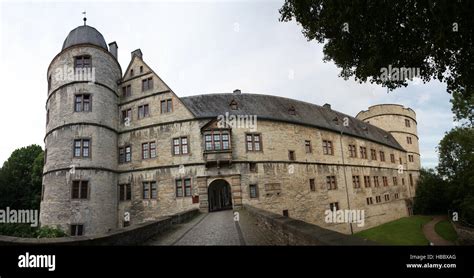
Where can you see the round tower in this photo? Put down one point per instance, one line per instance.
(79, 175)
(401, 123)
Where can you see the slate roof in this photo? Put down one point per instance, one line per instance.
(85, 34)
(276, 108)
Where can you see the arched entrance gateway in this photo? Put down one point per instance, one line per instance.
(219, 195)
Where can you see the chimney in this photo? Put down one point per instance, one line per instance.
(327, 106)
(113, 49)
(138, 53)
(237, 92)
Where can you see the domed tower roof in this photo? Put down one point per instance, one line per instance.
(85, 34)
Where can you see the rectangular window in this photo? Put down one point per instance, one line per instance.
(378, 199)
(141, 69)
(81, 62)
(126, 116)
(367, 181)
(253, 191)
(369, 200)
(376, 181)
(146, 190)
(82, 148)
(253, 167)
(410, 158)
(183, 188)
(291, 155)
(327, 147)
(408, 140)
(143, 111)
(403, 181)
(180, 146)
(147, 84)
(411, 179)
(331, 182)
(125, 192)
(307, 146)
(396, 196)
(82, 103)
(382, 156)
(312, 185)
(253, 141)
(125, 154)
(400, 160)
(166, 106)
(152, 149)
(127, 91)
(373, 154)
(153, 189)
(392, 158)
(395, 181)
(387, 197)
(334, 206)
(407, 123)
(385, 181)
(356, 181)
(352, 151)
(217, 140)
(363, 152)
(145, 151)
(80, 189)
(77, 229)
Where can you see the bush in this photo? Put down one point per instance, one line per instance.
(49, 232)
(26, 231)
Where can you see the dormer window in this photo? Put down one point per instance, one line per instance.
(131, 72)
(82, 61)
(233, 105)
(141, 69)
(292, 110)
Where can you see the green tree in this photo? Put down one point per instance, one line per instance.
(432, 194)
(363, 37)
(20, 179)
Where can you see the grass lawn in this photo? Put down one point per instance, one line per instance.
(404, 231)
(446, 230)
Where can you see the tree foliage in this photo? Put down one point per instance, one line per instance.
(20, 179)
(363, 37)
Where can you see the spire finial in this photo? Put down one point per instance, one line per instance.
(85, 18)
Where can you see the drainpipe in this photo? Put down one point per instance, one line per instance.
(344, 169)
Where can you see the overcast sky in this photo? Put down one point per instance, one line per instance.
(196, 48)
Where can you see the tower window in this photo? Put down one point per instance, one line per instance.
(82, 103)
(307, 146)
(77, 229)
(352, 151)
(363, 152)
(312, 185)
(147, 84)
(166, 106)
(407, 123)
(334, 206)
(80, 189)
(291, 155)
(409, 140)
(82, 148)
(82, 62)
(410, 158)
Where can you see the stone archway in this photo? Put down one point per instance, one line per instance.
(219, 195)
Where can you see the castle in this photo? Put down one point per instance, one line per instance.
(122, 148)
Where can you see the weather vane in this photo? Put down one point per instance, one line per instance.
(85, 18)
